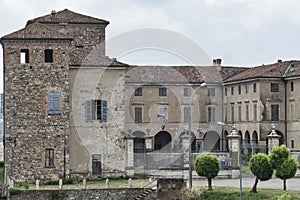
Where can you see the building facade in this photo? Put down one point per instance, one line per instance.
(70, 111)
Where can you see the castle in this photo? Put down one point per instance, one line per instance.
(69, 110)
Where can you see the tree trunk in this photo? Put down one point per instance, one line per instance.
(254, 188)
(209, 184)
(284, 184)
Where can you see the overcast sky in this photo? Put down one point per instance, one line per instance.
(241, 32)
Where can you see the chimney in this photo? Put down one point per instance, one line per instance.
(219, 61)
(214, 62)
(53, 13)
(279, 61)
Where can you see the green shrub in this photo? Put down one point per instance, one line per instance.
(13, 191)
(19, 184)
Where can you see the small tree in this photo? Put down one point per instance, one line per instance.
(207, 165)
(287, 170)
(278, 155)
(261, 167)
(285, 166)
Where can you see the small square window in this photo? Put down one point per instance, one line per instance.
(211, 92)
(162, 92)
(24, 56)
(274, 87)
(48, 55)
(187, 92)
(138, 92)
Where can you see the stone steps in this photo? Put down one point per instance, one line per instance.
(145, 194)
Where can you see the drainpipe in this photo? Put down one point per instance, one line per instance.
(285, 101)
(285, 111)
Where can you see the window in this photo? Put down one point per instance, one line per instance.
(292, 144)
(162, 92)
(211, 114)
(49, 158)
(275, 112)
(239, 90)
(187, 92)
(211, 92)
(292, 86)
(138, 92)
(274, 87)
(246, 88)
(48, 55)
(138, 114)
(255, 112)
(96, 110)
(186, 114)
(247, 112)
(24, 56)
(96, 164)
(240, 113)
(225, 91)
(254, 87)
(53, 103)
(232, 90)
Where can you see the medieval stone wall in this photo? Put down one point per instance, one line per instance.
(28, 124)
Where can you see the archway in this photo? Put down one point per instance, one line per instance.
(163, 141)
(139, 148)
(186, 134)
(225, 139)
(211, 141)
(248, 149)
(255, 143)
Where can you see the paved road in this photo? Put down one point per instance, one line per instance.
(292, 184)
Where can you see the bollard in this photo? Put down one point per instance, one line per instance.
(129, 183)
(107, 183)
(11, 183)
(84, 183)
(60, 184)
(150, 182)
(37, 184)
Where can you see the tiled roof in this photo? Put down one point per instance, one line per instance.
(179, 74)
(67, 16)
(36, 31)
(276, 70)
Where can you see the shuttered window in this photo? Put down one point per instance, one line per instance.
(96, 110)
(54, 103)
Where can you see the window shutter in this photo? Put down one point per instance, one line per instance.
(56, 102)
(104, 110)
(53, 103)
(88, 110)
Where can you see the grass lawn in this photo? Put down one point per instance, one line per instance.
(228, 193)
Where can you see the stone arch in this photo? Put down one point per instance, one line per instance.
(211, 141)
(241, 135)
(139, 148)
(248, 149)
(193, 139)
(256, 148)
(163, 141)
